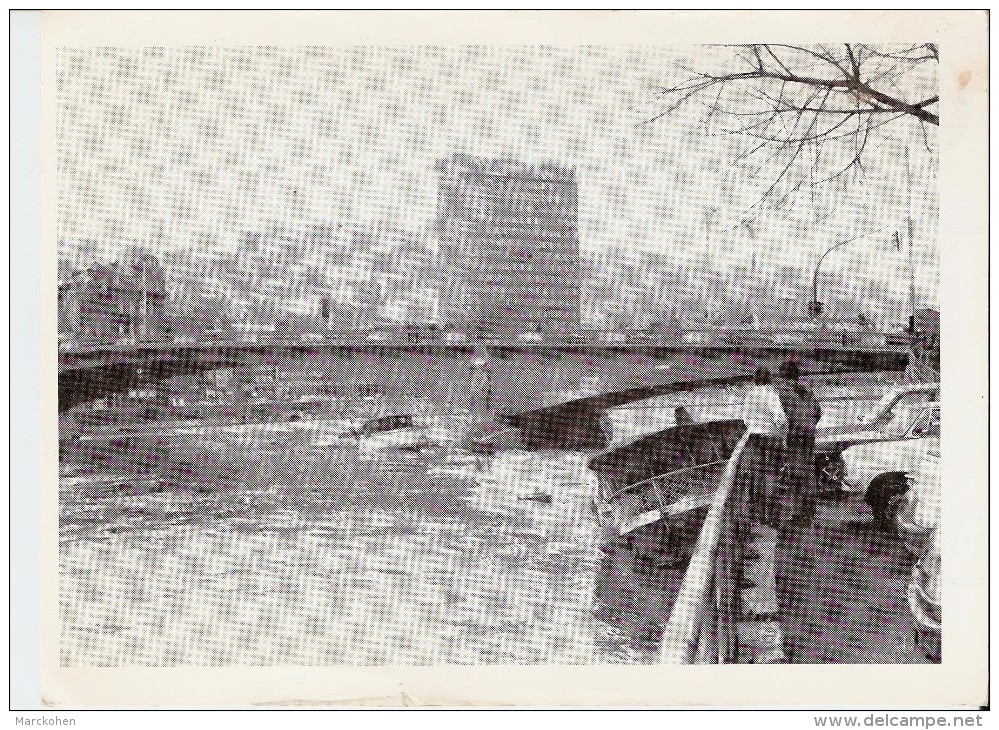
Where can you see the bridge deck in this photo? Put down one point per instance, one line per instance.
(520, 377)
(844, 344)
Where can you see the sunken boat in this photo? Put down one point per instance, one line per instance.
(653, 493)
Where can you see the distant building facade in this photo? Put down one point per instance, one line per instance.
(509, 245)
(109, 303)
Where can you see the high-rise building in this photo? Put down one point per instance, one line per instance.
(509, 246)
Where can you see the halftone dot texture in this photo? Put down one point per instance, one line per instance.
(290, 190)
(253, 171)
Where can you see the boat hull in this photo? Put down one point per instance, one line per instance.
(654, 492)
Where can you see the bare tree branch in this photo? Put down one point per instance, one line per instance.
(849, 80)
(790, 99)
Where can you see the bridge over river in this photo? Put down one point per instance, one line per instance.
(539, 387)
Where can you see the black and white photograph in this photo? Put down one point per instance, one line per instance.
(505, 354)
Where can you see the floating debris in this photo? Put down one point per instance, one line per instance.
(542, 497)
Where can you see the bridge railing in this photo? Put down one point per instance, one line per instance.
(706, 337)
(818, 338)
(702, 625)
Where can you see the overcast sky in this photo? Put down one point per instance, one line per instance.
(197, 144)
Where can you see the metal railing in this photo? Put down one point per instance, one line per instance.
(655, 482)
(702, 624)
(672, 493)
(713, 337)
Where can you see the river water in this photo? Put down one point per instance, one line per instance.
(319, 553)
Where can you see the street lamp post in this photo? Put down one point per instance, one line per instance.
(815, 307)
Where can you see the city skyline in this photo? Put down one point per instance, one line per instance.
(292, 138)
(396, 274)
